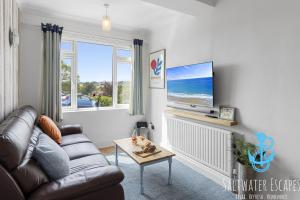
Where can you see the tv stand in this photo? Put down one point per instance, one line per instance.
(200, 117)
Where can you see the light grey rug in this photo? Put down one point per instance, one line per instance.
(187, 183)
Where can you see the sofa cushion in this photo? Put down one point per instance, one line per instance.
(50, 128)
(73, 139)
(28, 174)
(79, 150)
(87, 162)
(15, 134)
(52, 158)
(27, 113)
(79, 184)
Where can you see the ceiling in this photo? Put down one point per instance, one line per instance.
(126, 13)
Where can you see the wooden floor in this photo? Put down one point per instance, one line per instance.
(107, 150)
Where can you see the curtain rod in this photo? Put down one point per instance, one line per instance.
(87, 34)
(97, 35)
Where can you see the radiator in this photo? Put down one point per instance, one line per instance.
(207, 145)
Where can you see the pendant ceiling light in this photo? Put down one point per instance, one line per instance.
(106, 23)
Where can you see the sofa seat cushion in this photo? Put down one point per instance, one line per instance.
(87, 162)
(80, 150)
(73, 139)
(79, 184)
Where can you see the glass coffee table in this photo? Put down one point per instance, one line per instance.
(127, 146)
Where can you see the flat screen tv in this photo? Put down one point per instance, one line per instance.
(191, 86)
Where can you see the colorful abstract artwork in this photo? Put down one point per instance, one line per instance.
(157, 69)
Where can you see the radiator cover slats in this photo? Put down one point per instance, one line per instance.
(207, 145)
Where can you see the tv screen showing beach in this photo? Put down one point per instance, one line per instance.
(191, 84)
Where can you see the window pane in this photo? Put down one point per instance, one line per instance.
(66, 65)
(124, 53)
(124, 79)
(67, 46)
(94, 87)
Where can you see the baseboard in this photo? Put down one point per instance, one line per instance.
(212, 174)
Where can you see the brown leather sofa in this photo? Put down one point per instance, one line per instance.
(91, 175)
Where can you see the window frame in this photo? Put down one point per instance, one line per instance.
(67, 56)
(116, 45)
(120, 59)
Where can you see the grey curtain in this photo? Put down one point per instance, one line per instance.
(136, 103)
(51, 102)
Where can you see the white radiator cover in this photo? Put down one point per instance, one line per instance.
(207, 145)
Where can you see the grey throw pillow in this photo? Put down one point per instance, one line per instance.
(51, 157)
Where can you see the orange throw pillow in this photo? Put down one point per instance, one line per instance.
(50, 128)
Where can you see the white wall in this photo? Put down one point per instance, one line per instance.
(255, 47)
(102, 126)
(30, 72)
(256, 50)
(187, 40)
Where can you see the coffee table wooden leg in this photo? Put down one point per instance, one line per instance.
(170, 171)
(117, 155)
(141, 180)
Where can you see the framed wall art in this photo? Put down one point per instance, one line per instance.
(157, 67)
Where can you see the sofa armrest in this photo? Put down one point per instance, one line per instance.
(80, 184)
(70, 129)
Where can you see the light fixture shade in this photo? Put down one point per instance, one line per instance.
(106, 23)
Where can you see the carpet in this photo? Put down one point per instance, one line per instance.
(187, 184)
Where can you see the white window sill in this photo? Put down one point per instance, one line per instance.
(70, 110)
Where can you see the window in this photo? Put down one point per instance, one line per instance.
(67, 46)
(123, 75)
(94, 79)
(66, 65)
(95, 75)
